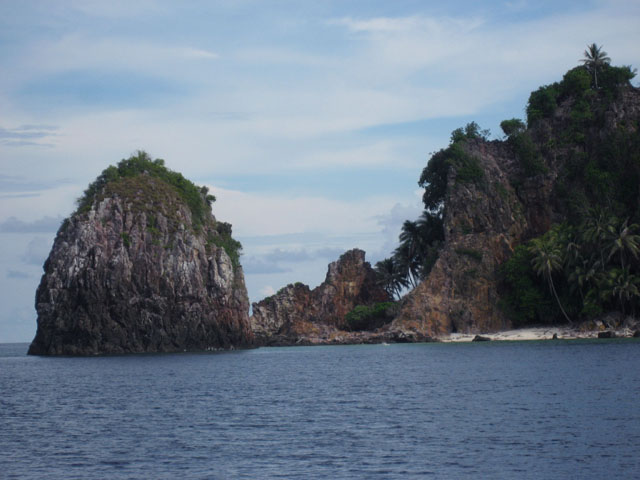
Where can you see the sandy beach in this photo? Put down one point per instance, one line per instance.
(538, 333)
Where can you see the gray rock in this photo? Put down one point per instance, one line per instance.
(607, 334)
(133, 274)
(479, 338)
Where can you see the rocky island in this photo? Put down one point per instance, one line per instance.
(142, 266)
(538, 228)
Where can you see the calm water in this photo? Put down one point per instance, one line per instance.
(483, 410)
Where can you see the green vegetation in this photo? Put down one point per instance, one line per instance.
(596, 79)
(420, 241)
(523, 147)
(371, 317)
(412, 260)
(197, 198)
(126, 239)
(585, 265)
(588, 268)
(594, 60)
(471, 253)
(590, 263)
(222, 238)
(155, 189)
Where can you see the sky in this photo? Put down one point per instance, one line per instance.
(310, 121)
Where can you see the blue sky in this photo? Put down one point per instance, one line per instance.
(310, 121)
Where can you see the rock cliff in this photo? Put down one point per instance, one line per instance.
(299, 315)
(516, 195)
(483, 221)
(134, 270)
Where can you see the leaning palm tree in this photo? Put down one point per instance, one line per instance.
(548, 259)
(594, 60)
(409, 252)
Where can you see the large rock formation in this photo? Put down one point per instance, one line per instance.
(507, 204)
(299, 315)
(483, 222)
(135, 271)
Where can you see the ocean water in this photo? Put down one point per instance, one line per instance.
(514, 410)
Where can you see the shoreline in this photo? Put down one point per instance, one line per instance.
(539, 333)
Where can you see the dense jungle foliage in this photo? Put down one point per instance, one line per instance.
(589, 263)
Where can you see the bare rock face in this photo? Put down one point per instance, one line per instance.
(297, 314)
(134, 274)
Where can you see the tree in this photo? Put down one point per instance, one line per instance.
(623, 285)
(513, 127)
(389, 277)
(595, 59)
(548, 259)
(623, 239)
(408, 253)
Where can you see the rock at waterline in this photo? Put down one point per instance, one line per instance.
(142, 266)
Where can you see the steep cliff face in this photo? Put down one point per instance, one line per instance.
(134, 273)
(484, 219)
(297, 314)
(506, 203)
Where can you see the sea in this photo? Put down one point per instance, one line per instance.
(495, 410)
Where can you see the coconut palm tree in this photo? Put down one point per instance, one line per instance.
(623, 239)
(548, 259)
(390, 278)
(595, 230)
(594, 60)
(623, 285)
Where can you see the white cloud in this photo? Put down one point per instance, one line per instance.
(270, 214)
(267, 291)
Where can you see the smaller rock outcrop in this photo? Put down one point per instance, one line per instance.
(299, 315)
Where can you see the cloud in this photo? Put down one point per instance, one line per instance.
(76, 51)
(391, 225)
(267, 291)
(302, 255)
(270, 214)
(256, 266)
(37, 251)
(17, 274)
(272, 262)
(28, 135)
(45, 224)
(22, 184)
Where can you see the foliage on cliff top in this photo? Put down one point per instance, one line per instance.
(370, 317)
(197, 198)
(227, 242)
(577, 84)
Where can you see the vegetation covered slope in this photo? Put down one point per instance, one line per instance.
(549, 214)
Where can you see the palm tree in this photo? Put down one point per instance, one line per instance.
(595, 59)
(548, 259)
(623, 239)
(595, 230)
(623, 285)
(408, 252)
(390, 278)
